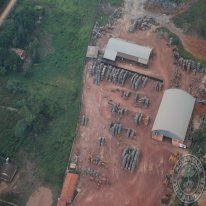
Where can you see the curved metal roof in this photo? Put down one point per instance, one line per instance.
(174, 113)
(115, 46)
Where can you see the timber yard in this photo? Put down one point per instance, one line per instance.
(137, 114)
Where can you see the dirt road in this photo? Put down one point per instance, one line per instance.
(7, 10)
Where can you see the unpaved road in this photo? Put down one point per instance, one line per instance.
(7, 10)
(41, 197)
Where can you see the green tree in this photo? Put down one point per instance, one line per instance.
(2, 71)
(20, 128)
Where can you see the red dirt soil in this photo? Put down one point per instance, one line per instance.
(144, 187)
(196, 46)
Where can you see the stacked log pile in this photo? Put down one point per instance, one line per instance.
(139, 118)
(130, 158)
(158, 86)
(141, 101)
(138, 80)
(117, 110)
(115, 129)
(130, 133)
(125, 94)
(188, 64)
(141, 23)
(109, 73)
(98, 29)
(84, 120)
(102, 141)
(118, 76)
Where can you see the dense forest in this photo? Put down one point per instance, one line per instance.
(3, 3)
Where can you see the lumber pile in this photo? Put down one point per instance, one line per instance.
(130, 158)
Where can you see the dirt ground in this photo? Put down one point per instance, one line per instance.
(6, 11)
(41, 197)
(126, 189)
(196, 46)
(145, 186)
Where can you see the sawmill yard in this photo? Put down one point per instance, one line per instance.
(98, 151)
(126, 188)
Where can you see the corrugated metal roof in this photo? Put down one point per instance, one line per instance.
(110, 54)
(69, 187)
(174, 113)
(92, 51)
(115, 46)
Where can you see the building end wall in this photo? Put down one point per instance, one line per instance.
(158, 137)
(177, 142)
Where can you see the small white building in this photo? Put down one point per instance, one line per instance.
(127, 50)
(92, 52)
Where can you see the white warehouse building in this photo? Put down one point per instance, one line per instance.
(127, 50)
(173, 116)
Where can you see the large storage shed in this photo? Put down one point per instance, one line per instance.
(173, 116)
(127, 50)
(68, 189)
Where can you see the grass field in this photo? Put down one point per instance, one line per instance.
(193, 20)
(64, 35)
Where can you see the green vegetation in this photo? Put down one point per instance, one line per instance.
(103, 14)
(18, 32)
(115, 2)
(193, 20)
(177, 42)
(3, 4)
(199, 142)
(40, 98)
(46, 102)
(177, 1)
